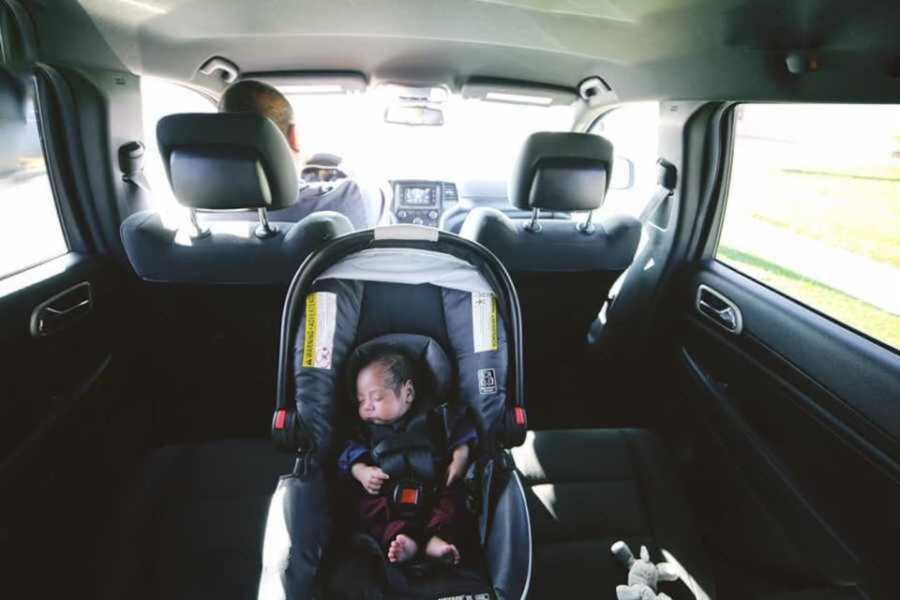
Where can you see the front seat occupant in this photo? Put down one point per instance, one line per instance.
(348, 198)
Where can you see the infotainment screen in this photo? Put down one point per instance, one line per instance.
(419, 196)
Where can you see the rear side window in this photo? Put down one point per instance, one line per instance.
(813, 209)
(30, 228)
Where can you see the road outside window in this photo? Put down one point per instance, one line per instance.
(30, 230)
(814, 209)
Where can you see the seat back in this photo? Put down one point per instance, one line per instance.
(220, 282)
(562, 269)
(224, 163)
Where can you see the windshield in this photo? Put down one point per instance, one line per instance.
(478, 140)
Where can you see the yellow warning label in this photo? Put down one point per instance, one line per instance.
(309, 333)
(495, 342)
(485, 336)
(318, 332)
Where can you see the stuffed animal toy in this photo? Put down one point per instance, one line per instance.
(643, 575)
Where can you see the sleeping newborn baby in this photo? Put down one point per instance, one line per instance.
(386, 396)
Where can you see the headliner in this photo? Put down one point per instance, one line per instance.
(666, 49)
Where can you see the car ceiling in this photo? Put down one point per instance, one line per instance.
(681, 49)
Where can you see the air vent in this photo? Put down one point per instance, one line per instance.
(448, 193)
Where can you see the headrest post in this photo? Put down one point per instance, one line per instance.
(533, 226)
(264, 230)
(587, 227)
(197, 230)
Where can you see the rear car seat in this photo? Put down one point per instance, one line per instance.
(563, 270)
(587, 488)
(190, 523)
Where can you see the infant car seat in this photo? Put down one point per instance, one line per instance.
(373, 285)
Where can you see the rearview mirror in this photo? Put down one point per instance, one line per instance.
(622, 177)
(414, 114)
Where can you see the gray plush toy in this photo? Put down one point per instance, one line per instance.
(643, 575)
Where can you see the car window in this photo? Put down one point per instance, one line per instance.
(30, 228)
(159, 98)
(634, 131)
(813, 209)
(478, 139)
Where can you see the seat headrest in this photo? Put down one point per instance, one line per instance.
(226, 161)
(433, 370)
(562, 171)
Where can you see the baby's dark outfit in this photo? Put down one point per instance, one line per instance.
(446, 516)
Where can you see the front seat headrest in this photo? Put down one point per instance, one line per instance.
(562, 171)
(226, 161)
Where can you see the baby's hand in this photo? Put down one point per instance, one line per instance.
(457, 467)
(371, 478)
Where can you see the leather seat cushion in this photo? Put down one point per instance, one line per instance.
(588, 488)
(191, 523)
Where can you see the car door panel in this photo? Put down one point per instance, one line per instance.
(804, 414)
(66, 427)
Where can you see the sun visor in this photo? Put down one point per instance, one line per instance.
(305, 83)
(514, 92)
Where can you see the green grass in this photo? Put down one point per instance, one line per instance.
(859, 315)
(857, 210)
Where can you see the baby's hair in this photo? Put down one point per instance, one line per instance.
(398, 368)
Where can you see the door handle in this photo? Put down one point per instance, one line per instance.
(62, 310)
(719, 309)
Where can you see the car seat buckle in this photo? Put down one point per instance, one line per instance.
(408, 496)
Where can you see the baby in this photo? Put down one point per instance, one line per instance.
(385, 392)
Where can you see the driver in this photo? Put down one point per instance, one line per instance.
(345, 197)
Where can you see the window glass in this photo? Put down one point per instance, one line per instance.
(634, 131)
(159, 98)
(30, 229)
(814, 209)
(478, 140)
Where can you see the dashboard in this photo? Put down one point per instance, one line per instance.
(422, 202)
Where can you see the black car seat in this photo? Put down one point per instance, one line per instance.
(223, 281)
(562, 269)
(425, 285)
(224, 163)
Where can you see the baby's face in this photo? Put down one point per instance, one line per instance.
(379, 403)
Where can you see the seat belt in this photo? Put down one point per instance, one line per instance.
(666, 179)
(131, 165)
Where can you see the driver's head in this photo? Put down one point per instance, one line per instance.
(261, 98)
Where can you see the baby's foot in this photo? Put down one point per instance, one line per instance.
(402, 549)
(438, 548)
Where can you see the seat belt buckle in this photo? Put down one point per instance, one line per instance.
(408, 496)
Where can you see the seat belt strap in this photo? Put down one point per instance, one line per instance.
(667, 179)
